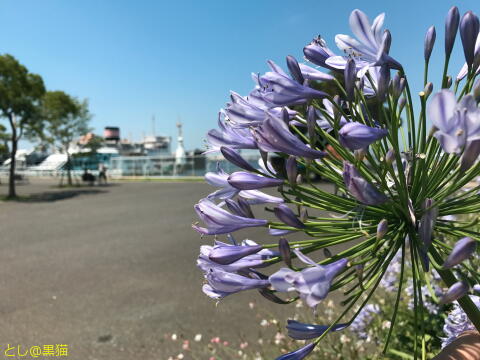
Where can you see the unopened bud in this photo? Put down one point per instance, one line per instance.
(451, 28)
(382, 229)
(449, 82)
(401, 104)
(390, 156)
(470, 155)
(350, 74)
(428, 89)
(359, 270)
(299, 179)
(429, 42)
(284, 249)
(291, 168)
(462, 250)
(360, 154)
(327, 253)
(454, 292)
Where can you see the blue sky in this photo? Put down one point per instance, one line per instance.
(133, 59)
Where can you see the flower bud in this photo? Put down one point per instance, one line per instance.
(383, 81)
(245, 207)
(449, 82)
(476, 288)
(350, 73)
(243, 210)
(451, 28)
(359, 270)
(382, 229)
(243, 180)
(401, 104)
(284, 248)
(469, 27)
(454, 292)
(462, 250)
(327, 253)
(428, 89)
(390, 156)
(429, 42)
(311, 123)
(285, 214)
(227, 254)
(427, 222)
(292, 171)
(235, 158)
(360, 154)
(398, 85)
(294, 68)
(299, 180)
(470, 155)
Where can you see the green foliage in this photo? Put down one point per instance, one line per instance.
(65, 118)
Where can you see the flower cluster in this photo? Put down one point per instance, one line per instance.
(398, 184)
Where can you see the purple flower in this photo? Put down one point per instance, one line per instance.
(360, 188)
(463, 249)
(457, 322)
(362, 322)
(429, 42)
(235, 158)
(350, 74)
(225, 254)
(368, 46)
(382, 229)
(457, 123)
(476, 63)
(247, 181)
(220, 221)
(301, 331)
(298, 354)
(317, 52)
(221, 283)
(470, 155)
(311, 73)
(277, 88)
(469, 27)
(291, 169)
(220, 179)
(294, 69)
(253, 197)
(240, 207)
(285, 214)
(454, 292)
(355, 135)
(226, 135)
(427, 222)
(205, 263)
(274, 136)
(312, 283)
(451, 28)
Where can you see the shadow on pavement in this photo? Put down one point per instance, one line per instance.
(50, 196)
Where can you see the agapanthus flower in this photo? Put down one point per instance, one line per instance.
(457, 123)
(302, 331)
(360, 188)
(274, 135)
(397, 193)
(279, 89)
(354, 135)
(227, 135)
(220, 221)
(222, 283)
(312, 283)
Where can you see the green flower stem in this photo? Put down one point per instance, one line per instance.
(465, 302)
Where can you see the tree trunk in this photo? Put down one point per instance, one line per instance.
(69, 168)
(11, 180)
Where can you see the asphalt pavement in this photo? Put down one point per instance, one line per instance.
(110, 271)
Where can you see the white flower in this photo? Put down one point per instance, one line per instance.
(198, 338)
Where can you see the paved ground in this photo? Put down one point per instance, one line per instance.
(109, 271)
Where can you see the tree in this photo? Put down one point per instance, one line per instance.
(65, 118)
(4, 139)
(20, 96)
